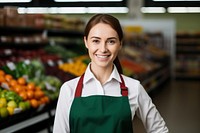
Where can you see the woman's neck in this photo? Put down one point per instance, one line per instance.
(101, 73)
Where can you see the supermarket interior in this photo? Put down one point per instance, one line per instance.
(42, 46)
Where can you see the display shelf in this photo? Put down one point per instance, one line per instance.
(11, 51)
(187, 56)
(155, 80)
(26, 119)
(9, 31)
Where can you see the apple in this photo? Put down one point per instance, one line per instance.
(22, 105)
(12, 104)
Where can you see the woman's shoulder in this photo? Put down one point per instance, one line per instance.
(71, 83)
(130, 80)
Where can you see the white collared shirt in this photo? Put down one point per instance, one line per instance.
(140, 102)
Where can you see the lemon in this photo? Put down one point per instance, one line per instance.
(3, 102)
(4, 112)
(10, 110)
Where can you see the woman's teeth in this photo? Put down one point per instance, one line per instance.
(102, 56)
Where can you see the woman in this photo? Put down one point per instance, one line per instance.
(103, 100)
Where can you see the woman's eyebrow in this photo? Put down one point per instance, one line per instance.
(112, 38)
(95, 37)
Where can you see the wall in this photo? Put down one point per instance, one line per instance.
(184, 22)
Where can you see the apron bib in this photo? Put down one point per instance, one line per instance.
(100, 114)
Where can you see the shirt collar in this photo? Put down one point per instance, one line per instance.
(89, 75)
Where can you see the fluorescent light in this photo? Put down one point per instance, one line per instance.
(183, 9)
(71, 10)
(87, 0)
(177, 0)
(153, 10)
(107, 10)
(15, 1)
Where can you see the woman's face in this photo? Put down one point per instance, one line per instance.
(103, 45)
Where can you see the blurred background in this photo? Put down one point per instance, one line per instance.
(41, 47)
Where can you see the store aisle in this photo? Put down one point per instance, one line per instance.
(178, 101)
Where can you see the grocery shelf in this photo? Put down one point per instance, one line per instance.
(64, 33)
(9, 30)
(28, 118)
(25, 123)
(187, 56)
(25, 31)
(155, 80)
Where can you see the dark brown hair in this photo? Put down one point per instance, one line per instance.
(113, 22)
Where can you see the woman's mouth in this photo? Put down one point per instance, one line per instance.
(102, 56)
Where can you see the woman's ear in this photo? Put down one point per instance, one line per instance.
(85, 42)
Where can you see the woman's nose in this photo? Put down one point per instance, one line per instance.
(103, 47)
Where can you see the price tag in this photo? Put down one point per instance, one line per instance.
(27, 62)
(50, 63)
(60, 62)
(8, 51)
(50, 87)
(5, 86)
(11, 66)
(17, 110)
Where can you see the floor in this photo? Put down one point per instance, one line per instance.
(178, 101)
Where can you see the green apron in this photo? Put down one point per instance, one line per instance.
(100, 114)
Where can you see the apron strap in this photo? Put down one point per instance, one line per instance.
(79, 87)
(124, 89)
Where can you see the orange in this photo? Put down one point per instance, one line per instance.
(39, 94)
(30, 94)
(46, 99)
(2, 73)
(21, 81)
(37, 88)
(31, 86)
(2, 79)
(18, 88)
(23, 95)
(8, 77)
(13, 82)
(34, 103)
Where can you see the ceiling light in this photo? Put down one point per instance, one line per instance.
(153, 10)
(183, 9)
(15, 1)
(107, 10)
(71, 10)
(177, 0)
(87, 0)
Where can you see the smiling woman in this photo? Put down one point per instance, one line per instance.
(103, 100)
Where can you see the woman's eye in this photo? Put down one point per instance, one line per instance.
(95, 41)
(111, 42)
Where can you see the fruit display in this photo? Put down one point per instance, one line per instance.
(19, 90)
(32, 73)
(11, 103)
(77, 66)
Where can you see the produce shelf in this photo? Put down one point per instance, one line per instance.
(9, 31)
(28, 118)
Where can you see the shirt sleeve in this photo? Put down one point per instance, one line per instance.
(147, 112)
(61, 122)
